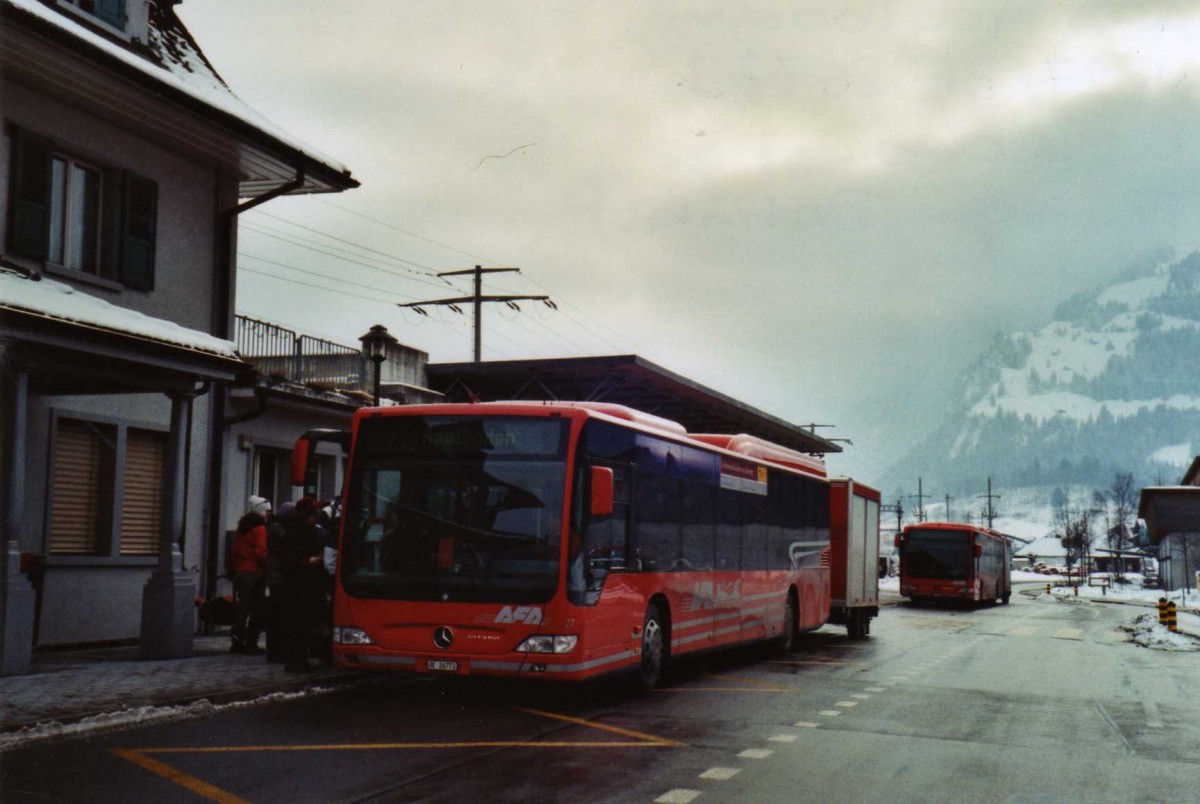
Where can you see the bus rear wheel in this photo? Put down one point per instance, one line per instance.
(655, 649)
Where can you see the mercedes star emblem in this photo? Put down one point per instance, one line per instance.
(443, 637)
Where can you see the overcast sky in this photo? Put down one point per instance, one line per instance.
(825, 209)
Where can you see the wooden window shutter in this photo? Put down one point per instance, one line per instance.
(141, 504)
(112, 12)
(75, 517)
(30, 193)
(139, 225)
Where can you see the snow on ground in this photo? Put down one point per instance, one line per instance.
(1180, 455)
(140, 716)
(1148, 633)
(1143, 626)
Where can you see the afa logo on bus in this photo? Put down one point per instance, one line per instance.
(530, 615)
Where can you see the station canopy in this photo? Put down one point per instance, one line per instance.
(624, 380)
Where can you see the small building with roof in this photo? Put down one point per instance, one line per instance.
(125, 162)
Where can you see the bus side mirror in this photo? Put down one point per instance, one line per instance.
(978, 550)
(602, 491)
(300, 458)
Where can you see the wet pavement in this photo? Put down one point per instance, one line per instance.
(78, 686)
(70, 686)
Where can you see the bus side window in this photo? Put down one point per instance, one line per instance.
(754, 533)
(655, 543)
(729, 530)
(698, 518)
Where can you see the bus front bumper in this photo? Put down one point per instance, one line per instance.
(545, 666)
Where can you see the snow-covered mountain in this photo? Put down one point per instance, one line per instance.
(1109, 386)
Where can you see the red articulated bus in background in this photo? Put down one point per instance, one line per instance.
(567, 540)
(952, 561)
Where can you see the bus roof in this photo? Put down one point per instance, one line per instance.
(738, 444)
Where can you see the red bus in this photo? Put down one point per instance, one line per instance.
(953, 561)
(568, 540)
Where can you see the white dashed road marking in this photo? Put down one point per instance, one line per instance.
(677, 796)
(756, 753)
(720, 774)
(783, 738)
(806, 724)
(828, 713)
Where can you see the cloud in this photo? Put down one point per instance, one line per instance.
(879, 186)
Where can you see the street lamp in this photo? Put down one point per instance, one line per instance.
(375, 345)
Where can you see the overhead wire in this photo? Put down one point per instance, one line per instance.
(481, 259)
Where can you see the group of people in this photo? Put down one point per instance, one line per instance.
(283, 578)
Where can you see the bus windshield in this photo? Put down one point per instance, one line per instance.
(455, 508)
(938, 554)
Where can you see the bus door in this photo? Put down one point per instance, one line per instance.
(600, 575)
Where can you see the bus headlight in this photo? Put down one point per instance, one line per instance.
(345, 635)
(548, 644)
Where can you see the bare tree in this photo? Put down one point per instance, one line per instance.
(1074, 528)
(1124, 497)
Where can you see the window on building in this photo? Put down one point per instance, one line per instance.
(91, 513)
(72, 212)
(83, 456)
(141, 504)
(111, 12)
(75, 215)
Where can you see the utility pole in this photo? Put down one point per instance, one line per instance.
(990, 511)
(477, 299)
(898, 510)
(948, 499)
(920, 495)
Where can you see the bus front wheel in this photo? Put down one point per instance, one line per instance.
(654, 647)
(785, 643)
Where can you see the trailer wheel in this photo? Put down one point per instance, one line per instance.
(655, 649)
(1004, 598)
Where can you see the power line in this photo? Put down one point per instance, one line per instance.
(567, 304)
(329, 251)
(425, 268)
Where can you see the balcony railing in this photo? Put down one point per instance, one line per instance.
(282, 355)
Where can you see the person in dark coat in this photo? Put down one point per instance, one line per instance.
(249, 568)
(276, 534)
(304, 581)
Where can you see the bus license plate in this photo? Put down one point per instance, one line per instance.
(445, 667)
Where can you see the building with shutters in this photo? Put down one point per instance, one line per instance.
(124, 163)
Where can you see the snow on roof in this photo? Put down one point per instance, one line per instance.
(182, 67)
(1045, 547)
(61, 301)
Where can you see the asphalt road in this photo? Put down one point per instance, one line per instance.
(1038, 701)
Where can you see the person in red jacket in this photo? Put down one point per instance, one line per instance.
(249, 576)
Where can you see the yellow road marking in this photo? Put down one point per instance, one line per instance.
(649, 738)
(202, 788)
(237, 749)
(751, 681)
(180, 778)
(727, 689)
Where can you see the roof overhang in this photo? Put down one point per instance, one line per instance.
(626, 380)
(1170, 509)
(66, 357)
(52, 59)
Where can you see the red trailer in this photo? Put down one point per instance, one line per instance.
(953, 561)
(854, 555)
